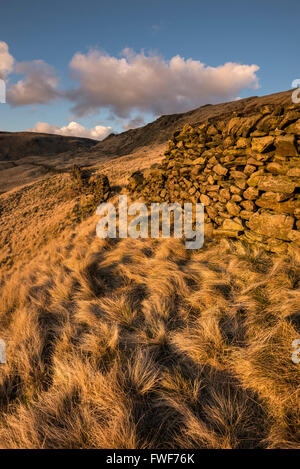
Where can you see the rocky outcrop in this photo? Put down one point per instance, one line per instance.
(84, 181)
(244, 169)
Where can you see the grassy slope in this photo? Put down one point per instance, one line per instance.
(140, 343)
(31, 216)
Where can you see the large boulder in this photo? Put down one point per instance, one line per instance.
(262, 144)
(285, 145)
(276, 184)
(271, 225)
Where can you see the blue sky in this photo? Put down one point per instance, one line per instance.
(264, 33)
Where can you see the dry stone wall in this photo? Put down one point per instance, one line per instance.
(245, 170)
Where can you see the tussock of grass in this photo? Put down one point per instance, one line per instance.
(142, 344)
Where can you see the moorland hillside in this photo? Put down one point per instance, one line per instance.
(140, 343)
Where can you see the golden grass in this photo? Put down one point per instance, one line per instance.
(143, 344)
(140, 343)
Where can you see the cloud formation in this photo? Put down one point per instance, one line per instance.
(38, 87)
(6, 60)
(152, 84)
(127, 86)
(74, 129)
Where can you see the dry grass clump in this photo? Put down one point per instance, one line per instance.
(143, 344)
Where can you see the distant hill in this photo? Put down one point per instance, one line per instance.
(16, 145)
(27, 156)
(161, 130)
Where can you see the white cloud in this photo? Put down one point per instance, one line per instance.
(131, 84)
(74, 129)
(38, 87)
(6, 60)
(40, 82)
(152, 84)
